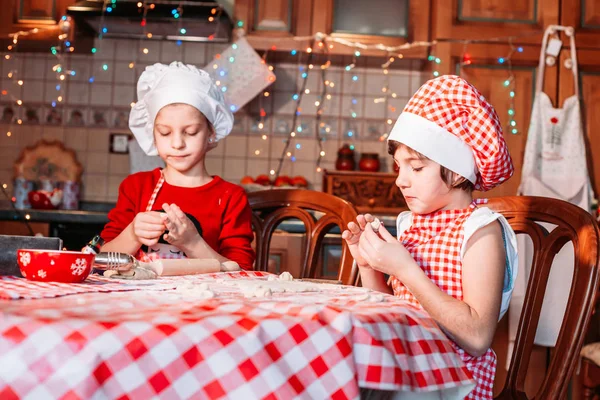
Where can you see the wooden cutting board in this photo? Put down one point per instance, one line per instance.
(48, 160)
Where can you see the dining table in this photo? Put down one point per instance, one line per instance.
(238, 335)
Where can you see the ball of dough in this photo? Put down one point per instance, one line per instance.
(376, 224)
(286, 276)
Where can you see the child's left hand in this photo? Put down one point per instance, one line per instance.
(182, 232)
(384, 252)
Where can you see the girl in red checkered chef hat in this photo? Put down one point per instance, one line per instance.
(453, 257)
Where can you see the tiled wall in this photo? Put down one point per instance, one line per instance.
(105, 102)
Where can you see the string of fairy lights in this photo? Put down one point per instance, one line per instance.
(321, 44)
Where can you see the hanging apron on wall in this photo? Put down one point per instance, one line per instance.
(554, 166)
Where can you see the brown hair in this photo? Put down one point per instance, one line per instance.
(445, 173)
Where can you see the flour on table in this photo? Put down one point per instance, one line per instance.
(197, 291)
(370, 297)
(284, 283)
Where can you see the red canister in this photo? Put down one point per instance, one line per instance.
(369, 162)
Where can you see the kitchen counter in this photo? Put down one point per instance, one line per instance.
(65, 216)
(90, 213)
(97, 213)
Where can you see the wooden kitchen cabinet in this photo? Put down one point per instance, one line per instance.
(412, 17)
(18, 228)
(24, 15)
(585, 18)
(264, 20)
(488, 80)
(485, 73)
(589, 87)
(467, 19)
(484, 19)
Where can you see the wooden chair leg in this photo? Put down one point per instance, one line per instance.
(590, 373)
(588, 393)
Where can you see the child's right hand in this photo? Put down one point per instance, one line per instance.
(352, 236)
(148, 227)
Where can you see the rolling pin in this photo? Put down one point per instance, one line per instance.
(187, 266)
(125, 263)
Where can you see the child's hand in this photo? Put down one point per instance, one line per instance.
(148, 226)
(383, 252)
(352, 236)
(182, 232)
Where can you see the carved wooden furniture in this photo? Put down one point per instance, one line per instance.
(370, 192)
(578, 226)
(318, 211)
(590, 371)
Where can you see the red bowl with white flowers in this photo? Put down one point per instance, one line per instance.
(54, 265)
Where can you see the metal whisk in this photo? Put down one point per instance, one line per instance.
(112, 260)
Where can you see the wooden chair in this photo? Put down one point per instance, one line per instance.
(590, 373)
(271, 207)
(572, 224)
(590, 360)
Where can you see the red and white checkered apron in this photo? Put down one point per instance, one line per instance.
(435, 241)
(148, 257)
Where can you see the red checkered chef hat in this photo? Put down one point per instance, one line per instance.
(451, 123)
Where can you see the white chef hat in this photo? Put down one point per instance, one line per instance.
(161, 85)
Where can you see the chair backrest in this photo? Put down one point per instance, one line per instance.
(572, 224)
(317, 210)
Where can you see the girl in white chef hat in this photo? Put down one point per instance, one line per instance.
(180, 115)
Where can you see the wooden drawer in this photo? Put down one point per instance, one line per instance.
(369, 192)
(19, 228)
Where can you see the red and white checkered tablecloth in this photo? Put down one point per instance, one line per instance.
(176, 343)
(13, 288)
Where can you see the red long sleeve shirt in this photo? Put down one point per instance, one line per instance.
(221, 208)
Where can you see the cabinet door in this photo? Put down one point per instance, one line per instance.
(24, 15)
(36, 11)
(589, 87)
(266, 19)
(584, 16)
(483, 19)
(489, 80)
(488, 76)
(386, 22)
(20, 229)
